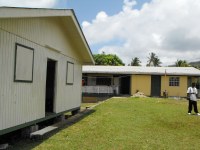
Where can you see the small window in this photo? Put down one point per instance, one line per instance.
(174, 81)
(24, 60)
(70, 73)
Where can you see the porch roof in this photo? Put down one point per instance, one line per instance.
(188, 71)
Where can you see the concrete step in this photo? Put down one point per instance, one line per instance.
(42, 132)
(4, 146)
(69, 121)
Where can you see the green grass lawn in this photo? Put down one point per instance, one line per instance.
(131, 123)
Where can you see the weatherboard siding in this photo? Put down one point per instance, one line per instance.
(47, 32)
(22, 102)
(68, 96)
(19, 102)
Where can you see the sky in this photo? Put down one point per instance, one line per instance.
(134, 28)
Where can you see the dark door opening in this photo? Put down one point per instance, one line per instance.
(155, 85)
(125, 85)
(50, 85)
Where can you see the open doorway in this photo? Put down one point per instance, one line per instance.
(50, 86)
(125, 85)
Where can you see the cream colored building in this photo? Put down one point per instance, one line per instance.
(41, 56)
(152, 81)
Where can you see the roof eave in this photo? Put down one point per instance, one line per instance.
(141, 73)
(20, 12)
(84, 40)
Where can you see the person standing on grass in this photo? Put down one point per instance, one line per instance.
(192, 95)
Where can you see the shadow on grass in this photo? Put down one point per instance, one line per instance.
(28, 144)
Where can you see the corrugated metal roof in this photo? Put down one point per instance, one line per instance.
(142, 70)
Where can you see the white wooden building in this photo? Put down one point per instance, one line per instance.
(41, 56)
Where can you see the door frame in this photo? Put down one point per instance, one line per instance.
(153, 84)
(55, 84)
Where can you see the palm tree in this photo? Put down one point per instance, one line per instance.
(157, 62)
(185, 63)
(153, 60)
(182, 63)
(178, 63)
(135, 62)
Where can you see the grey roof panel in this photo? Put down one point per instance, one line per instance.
(142, 70)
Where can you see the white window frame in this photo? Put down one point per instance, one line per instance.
(70, 73)
(174, 81)
(18, 78)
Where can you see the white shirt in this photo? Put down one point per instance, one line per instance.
(193, 92)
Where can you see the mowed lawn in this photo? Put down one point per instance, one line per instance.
(131, 123)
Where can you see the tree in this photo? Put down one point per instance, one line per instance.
(196, 66)
(181, 63)
(107, 59)
(135, 62)
(157, 62)
(153, 60)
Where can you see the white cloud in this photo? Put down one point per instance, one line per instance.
(28, 3)
(101, 16)
(169, 28)
(85, 24)
(128, 4)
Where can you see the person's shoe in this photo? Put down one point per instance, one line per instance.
(189, 113)
(198, 114)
